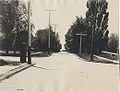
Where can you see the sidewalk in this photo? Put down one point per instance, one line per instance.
(105, 60)
(11, 67)
(98, 59)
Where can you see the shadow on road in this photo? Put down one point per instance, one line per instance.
(42, 68)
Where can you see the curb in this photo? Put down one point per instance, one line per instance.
(14, 71)
(106, 60)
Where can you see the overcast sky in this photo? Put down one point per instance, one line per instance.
(65, 13)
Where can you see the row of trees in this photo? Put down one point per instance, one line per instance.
(95, 23)
(14, 22)
(113, 43)
(14, 28)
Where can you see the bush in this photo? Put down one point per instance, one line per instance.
(113, 43)
(40, 41)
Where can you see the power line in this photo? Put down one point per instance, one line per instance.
(29, 35)
(49, 29)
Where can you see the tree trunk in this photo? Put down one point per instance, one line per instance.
(7, 51)
(14, 50)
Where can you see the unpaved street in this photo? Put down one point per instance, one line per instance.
(63, 72)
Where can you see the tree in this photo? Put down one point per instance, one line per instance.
(55, 42)
(14, 16)
(40, 41)
(97, 18)
(113, 43)
(14, 20)
(72, 40)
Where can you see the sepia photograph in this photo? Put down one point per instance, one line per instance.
(59, 46)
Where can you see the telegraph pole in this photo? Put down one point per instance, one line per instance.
(29, 34)
(49, 29)
(80, 45)
(93, 30)
(92, 42)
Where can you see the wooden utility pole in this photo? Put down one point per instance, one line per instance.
(29, 34)
(92, 42)
(93, 30)
(49, 29)
(81, 35)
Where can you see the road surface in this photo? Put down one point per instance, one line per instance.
(64, 72)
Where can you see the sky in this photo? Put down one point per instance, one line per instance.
(65, 13)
